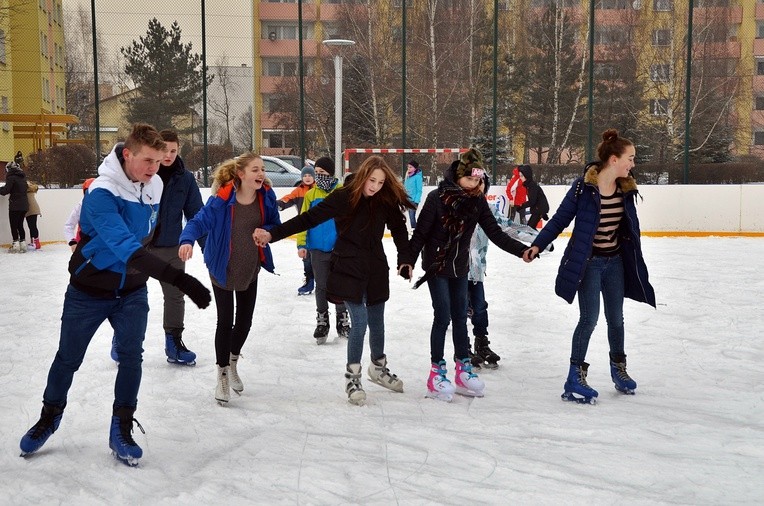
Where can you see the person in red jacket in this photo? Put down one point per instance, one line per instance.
(517, 195)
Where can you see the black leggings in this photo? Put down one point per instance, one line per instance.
(16, 219)
(230, 335)
(32, 224)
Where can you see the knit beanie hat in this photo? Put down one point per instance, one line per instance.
(327, 164)
(414, 164)
(470, 164)
(308, 170)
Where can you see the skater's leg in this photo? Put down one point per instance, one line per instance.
(224, 328)
(476, 292)
(458, 309)
(376, 317)
(589, 307)
(129, 322)
(359, 321)
(612, 298)
(441, 305)
(321, 261)
(245, 309)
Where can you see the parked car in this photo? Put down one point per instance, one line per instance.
(280, 172)
(295, 160)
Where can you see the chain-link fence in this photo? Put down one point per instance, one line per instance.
(512, 77)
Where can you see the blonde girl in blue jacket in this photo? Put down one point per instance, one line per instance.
(241, 201)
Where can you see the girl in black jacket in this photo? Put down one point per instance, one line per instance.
(537, 202)
(358, 273)
(444, 230)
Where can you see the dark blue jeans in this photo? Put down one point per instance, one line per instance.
(603, 275)
(476, 297)
(412, 217)
(82, 316)
(361, 317)
(449, 304)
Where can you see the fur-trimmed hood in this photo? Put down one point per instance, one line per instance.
(626, 184)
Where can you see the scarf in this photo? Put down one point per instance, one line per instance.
(460, 205)
(325, 182)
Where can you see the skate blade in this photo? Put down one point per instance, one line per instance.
(222, 402)
(469, 393)
(440, 396)
(626, 391)
(238, 392)
(357, 402)
(299, 294)
(387, 385)
(320, 341)
(180, 362)
(489, 365)
(128, 461)
(568, 396)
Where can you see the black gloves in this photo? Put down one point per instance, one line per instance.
(282, 205)
(405, 271)
(196, 291)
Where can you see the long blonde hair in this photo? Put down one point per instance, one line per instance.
(392, 192)
(229, 170)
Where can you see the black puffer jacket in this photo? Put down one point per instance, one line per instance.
(537, 202)
(358, 261)
(16, 188)
(431, 235)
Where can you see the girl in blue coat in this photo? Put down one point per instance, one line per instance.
(240, 203)
(604, 255)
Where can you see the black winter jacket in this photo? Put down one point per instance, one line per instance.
(431, 235)
(358, 260)
(16, 188)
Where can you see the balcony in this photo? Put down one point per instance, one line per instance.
(285, 12)
(288, 48)
(730, 15)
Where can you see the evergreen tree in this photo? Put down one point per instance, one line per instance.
(484, 140)
(167, 74)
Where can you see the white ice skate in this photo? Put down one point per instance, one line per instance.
(438, 386)
(467, 382)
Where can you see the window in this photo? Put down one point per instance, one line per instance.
(4, 105)
(758, 138)
(662, 37)
(331, 30)
(46, 90)
(659, 107)
(607, 71)
(660, 72)
(711, 3)
(760, 29)
(612, 4)
(269, 103)
(60, 10)
(2, 46)
(760, 67)
(286, 31)
(610, 35)
(286, 68)
(42, 5)
(663, 5)
(759, 103)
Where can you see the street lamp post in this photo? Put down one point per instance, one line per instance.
(338, 98)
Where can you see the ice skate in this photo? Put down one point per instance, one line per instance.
(176, 351)
(353, 387)
(23, 248)
(576, 387)
(222, 390)
(14, 247)
(438, 386)
(121, 441)
(621, 379)
(307, 287)
(380, 374)
(38, 434)
(36, 243)
(322, 327)
(467, 382)
(343, 323)
(233, 375)
(488, 358)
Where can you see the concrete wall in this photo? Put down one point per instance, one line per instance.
(665, 210)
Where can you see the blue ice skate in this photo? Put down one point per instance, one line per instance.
(576, 387)
(307, 287)
(621, 379)
(50, 418)
(121, 441)
(176, 351)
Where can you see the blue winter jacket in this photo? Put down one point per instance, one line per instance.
(215, 220)
(582, 202)
(323, 236)
(413, 185)
(117, 219)
(180, 198)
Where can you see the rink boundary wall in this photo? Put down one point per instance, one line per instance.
(665, 210)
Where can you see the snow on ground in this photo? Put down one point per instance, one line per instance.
(693, 433)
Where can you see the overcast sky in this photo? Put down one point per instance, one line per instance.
(228, 26)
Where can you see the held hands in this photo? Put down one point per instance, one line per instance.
(405, 271)
(261, 237)
(185, 252)
(530, 254)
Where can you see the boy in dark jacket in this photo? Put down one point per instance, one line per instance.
(109, 270)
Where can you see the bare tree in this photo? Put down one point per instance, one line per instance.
(243, 132)
(221, 106)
